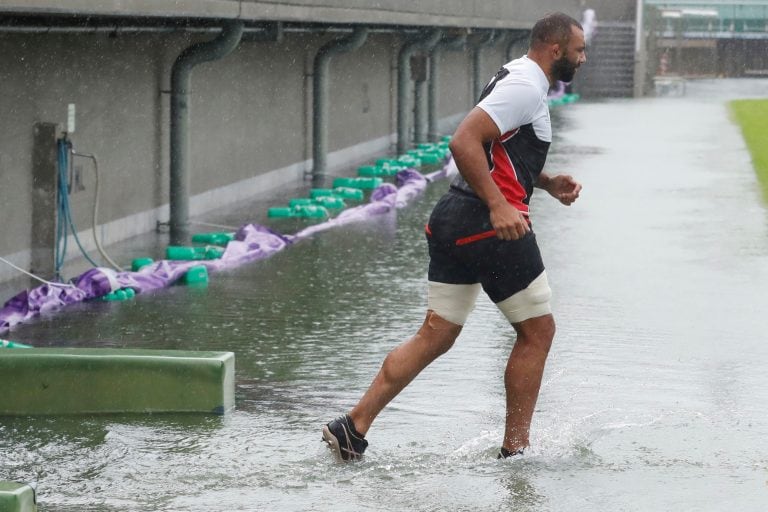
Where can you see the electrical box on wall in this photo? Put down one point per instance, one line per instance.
(71, 118)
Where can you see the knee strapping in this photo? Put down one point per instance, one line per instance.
(528, 303)
(453, 302)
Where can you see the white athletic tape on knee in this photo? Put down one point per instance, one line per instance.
(528, 303)
(453, 302)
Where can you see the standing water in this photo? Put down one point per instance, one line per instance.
(654, 397)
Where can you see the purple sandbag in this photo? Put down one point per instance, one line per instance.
(35, 301)
(252, 242)
(411, 183)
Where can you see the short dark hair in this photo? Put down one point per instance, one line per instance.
(553, 28)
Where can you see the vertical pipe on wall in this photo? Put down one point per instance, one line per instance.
(451, 43)
(181, 72)
(515, 39)
(419, 107)
(421, 94)
(641, 54)
(320, 95)
(403, 79)
(485, 41)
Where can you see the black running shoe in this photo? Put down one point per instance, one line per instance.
(345, 442)
(505, 454)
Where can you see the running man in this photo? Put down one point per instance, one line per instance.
(479, 236)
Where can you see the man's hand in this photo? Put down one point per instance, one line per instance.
(508, 222)
(563, 188)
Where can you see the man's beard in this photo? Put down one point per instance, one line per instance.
(563, 69)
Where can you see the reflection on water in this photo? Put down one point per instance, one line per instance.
(654, 396)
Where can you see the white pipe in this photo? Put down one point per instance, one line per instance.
(639, 27)
(96, 210)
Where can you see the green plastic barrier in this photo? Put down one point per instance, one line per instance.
(13, 344)
(197, 275)
(415, 153)
(353, 194)
(308, 211)
(50, 381)
(555, 102)
(16, 497)
(368, 171)
(390, 162)
(300, 201)
(570, 98)
(213, 238)
(330, 202)
(119, 295)
(362, 183)
(312, 211)
(386, 170)
(280, 212)
(138, 263)
(430, 158)
(392, 167)
(321, 192)
(410, 161)
(182, 253)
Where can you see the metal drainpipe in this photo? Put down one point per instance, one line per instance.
(419, 93)
(477, 84)
(403, 77)
(421, 97)
(181, 72)
(453, 43)
(320, 95)
(514, 40)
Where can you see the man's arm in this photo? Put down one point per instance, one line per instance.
(468, 152)
(562, 187)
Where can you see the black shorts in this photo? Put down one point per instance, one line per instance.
(463, 249)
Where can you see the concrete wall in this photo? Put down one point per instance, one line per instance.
(472, 13)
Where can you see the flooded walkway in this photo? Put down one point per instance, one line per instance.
(654, 397)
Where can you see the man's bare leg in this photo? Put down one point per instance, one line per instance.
(435, 337)
(522, 377)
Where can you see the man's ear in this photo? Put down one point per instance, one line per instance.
(557, 51)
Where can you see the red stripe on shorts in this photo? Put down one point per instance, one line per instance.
(474, 238)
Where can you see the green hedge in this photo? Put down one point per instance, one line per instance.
(752, 116)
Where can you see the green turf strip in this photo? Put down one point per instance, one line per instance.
(752, 116)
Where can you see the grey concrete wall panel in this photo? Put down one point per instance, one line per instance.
(473, 13)
(16, 145)
(363, 82)
(165, 8)
(248, 112)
